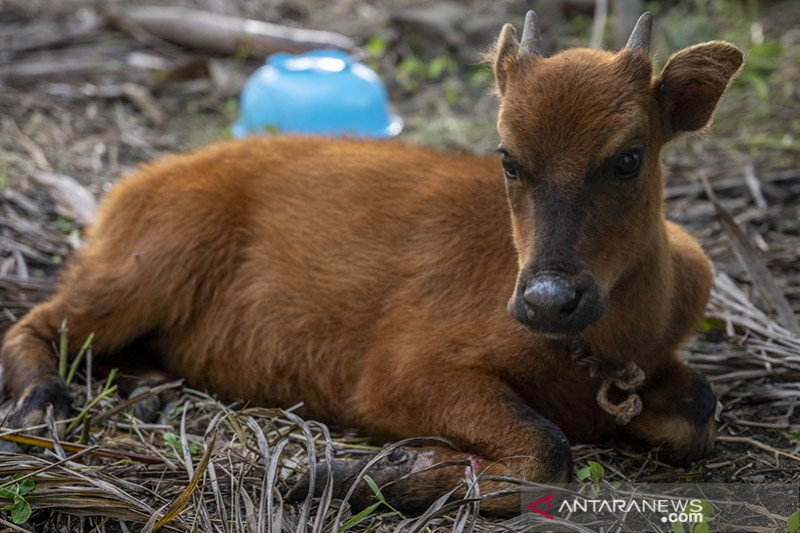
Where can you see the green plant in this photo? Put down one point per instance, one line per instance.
(65, 225)
(376, 46)
(708, 512)
(108, 390)
(413, 71)
(594, 472)
(793, 523)
(712, 323)
(16, 492)
(172, 439)
(366, 513)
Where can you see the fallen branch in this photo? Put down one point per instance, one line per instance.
(222, 34)
(757, 444)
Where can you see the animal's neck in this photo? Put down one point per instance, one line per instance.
(639, 306)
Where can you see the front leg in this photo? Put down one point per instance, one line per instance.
(481, 415)
(679, 407)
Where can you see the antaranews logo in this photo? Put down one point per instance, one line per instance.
(672, 510)
(664, 507)
(549, 500)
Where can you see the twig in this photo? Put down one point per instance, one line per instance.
(14, 527)
(31, 440)
(87, 449)
(757, 444)
(755, 186)
(143, 99)
(731, 183)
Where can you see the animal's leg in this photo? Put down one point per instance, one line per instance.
(679, 407)
(481, 415)
(86, 305)
(412, 477)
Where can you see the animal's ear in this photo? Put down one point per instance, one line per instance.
(692, 82)
(504, 54)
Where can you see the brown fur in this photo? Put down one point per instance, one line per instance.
(369, 280)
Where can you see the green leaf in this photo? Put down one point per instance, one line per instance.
(677, 527)
(374, 486)
(436, 67)
(26, 486)
(172, 439)
(359, 517)
(702, 527)
(65, 225)
(376, 46)
(794, 522)
(583, 473)
(597, 471)
(708, 512)
(451, 95)
(712, 323)
(20, 512)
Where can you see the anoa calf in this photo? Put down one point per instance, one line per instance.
(371, 280)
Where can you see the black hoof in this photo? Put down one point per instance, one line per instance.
(29, 410)
(148, 409)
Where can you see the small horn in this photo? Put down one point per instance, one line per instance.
(640, 36)
(531, 40)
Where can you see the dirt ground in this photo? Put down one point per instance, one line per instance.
(72, 104)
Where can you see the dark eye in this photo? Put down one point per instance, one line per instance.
(628, 164)
(509, 167)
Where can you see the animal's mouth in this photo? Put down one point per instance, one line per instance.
(559, 332)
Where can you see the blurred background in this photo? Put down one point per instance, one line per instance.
(89, 90)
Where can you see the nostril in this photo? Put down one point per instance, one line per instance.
(571, 303)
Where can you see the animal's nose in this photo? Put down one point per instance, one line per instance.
(552, 298)
(558, 303)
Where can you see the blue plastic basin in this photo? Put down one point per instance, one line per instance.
(322, 92)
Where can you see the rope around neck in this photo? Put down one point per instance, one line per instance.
(625, 379)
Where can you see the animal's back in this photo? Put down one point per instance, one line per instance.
(277, 260)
